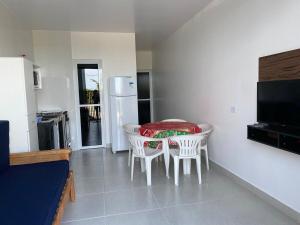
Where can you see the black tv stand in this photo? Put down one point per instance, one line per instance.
(282, 137)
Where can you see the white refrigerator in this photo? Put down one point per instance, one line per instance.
(123, 109)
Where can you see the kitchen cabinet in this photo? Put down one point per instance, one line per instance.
(18, 103)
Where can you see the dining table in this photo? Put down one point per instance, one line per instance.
(162, 130)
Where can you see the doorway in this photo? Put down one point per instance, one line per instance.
(89, 105)
(144, 97)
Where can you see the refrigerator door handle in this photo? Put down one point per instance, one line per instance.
(119, 112)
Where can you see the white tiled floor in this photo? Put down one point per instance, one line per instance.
(106, 196)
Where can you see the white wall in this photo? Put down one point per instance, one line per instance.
(144, 60)
(53, 53)
(15, 39)
(115, 50)
(211, 65)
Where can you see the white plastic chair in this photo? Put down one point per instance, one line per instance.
(140, 151)
(187, 150)
(206, 131)
(131, 129)
(173, 120)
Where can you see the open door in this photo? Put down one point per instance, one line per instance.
(89, 105)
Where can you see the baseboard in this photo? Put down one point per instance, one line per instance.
(266, 197)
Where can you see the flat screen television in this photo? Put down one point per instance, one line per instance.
(278, 103)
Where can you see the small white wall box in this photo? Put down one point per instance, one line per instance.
(37, 77)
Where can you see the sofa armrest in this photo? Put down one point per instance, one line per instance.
(38, 157)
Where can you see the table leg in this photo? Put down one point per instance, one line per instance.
(166, 155)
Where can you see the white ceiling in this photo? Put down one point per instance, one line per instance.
(152, 20)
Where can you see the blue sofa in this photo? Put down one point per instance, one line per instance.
(34, 187)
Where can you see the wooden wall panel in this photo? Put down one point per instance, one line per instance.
(282, 66)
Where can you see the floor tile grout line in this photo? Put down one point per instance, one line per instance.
(127, 189)
(190, 204)
(99, 178)
(83, 219)
(81, 177)
(104, 178)
(160, 209)
(104, 205)
(106, 159)
(89, 178)
(89, 194)
(133, 212)
(115, 214)
(155, 198)
(112, 215)
(185, 204)
(141, 211)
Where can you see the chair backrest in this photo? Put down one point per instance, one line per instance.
(138, 143)
(131, 128)
(206, 128)
(188, 144)
(173, 120)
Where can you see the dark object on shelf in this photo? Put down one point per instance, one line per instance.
(58, 137)
(285, 138)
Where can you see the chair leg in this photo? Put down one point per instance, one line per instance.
(143, 168)
(148, 170)
(166, 156)
(167, 163)
(132, 166)
(129, 156)
(206, 157)
(176, 170)
(198, 161)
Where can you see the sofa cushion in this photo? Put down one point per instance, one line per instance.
(30, 193)
(4, 145)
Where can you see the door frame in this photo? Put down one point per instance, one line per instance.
(77, 103)
(151, 91)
